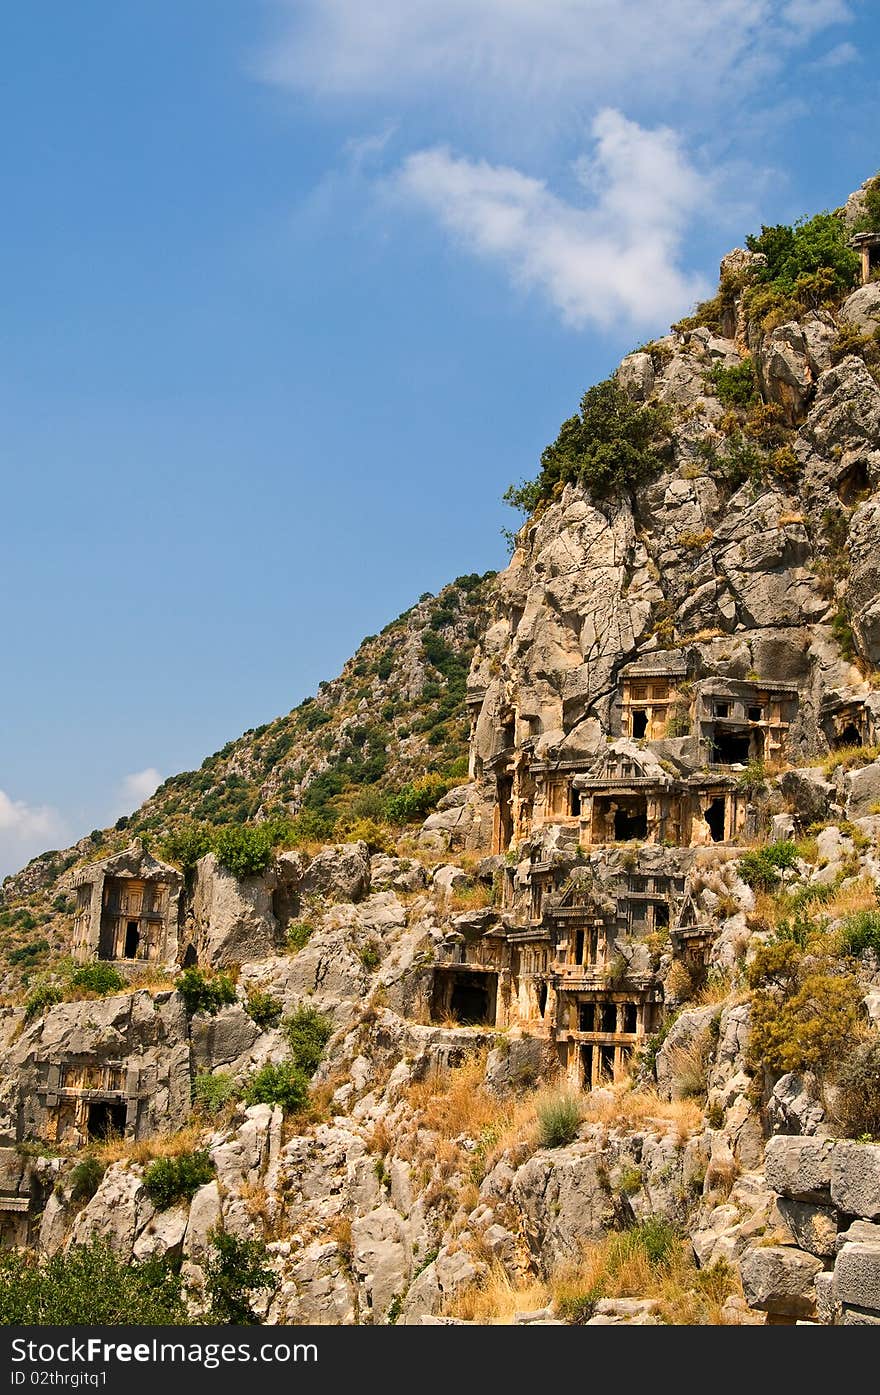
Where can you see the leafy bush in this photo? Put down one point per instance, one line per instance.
(212, 1092)
(101, 978)
(414, 801)
(264, 1008)
(86, 1177)
(735, 386)
(760, 868)
(559, 1119)
(611, 446)
(234, 1270)
(88, 1286)
(307, 1032)
(26, 953)
(284, 1084)
(43, 996)
(753, 780)
(795, 254)
(370, 956)
(245, 850)
(859, 932)
(299, 933)
(167, 1180)
(186, 845)
(804, 1012)
(203, 994)
(870, 219)
(856, 1097)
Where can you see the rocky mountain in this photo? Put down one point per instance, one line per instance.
(596, 1041)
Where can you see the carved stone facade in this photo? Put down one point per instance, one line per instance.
(127, 907)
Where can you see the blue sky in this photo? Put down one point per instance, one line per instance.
(291, 291)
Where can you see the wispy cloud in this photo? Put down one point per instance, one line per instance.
(562, 52)
(613, 256)
(25, 830)
(837, 57)
(137, 787)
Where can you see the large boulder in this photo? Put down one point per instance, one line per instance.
(862, 790)
(799, 1168)
(234, 921)
(862, 308)
(779, 1279)
(855, 1179)
(808, 793)
(857, 1276)
(338, 874)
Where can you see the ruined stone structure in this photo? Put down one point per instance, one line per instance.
(127, 907)
(867, 244)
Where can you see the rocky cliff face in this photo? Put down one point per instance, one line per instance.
(599, 1039)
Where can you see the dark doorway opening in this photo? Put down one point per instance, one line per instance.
(574, 802)
(714, 817)
(106, 1118)
(587, 1065)
(469, 1002)
(132, 940)
(755, 714)
(661, 915)
(586, 1017)
(729, 749)
(579, 947)
(505, 814)
(606, 1062)
(639, 724)
(608, 1022)
(630, 822)
(190, 958)
(542, 997)
(630, 1017)
(850, 736)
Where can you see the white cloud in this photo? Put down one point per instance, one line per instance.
(560, 53)
(837, 57)
(614, 257)
(21, 820)
(139, 786)
(25, 830)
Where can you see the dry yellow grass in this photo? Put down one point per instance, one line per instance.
(623, 1265)
(859, 896)
(161, 1145)
(499, 1299)
(628, 1108)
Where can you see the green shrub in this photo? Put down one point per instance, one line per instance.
(856, 1097)
(414, 801)
(760, 868)
(88, 1286)
(298, 934)
(613, 445)
(101, 978)
(284, 1084)
(559, 1119)
(85, 1177)
(168, 1180)
(25, 954)
(203, 994)
(812, 246)
(186, 845)
(245, 850)
(753, 780)
(212, 1092)
(234, 1270)
(370, 955)
(264, 1008)
(43, 996)
(859, 932)
(804, 1011)
(735, 386)
(307, 1032)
